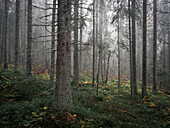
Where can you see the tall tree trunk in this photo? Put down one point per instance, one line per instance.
(155, 47)
(62, 98)
(25, 34)
(5, 35)
(17, 34)
(169, 52)
(53, 46)
(97, 1)
(118, 34)
(29, 39)
(144, 69)
(107, 70)
(163, 83)
(1, 26)
(101, 37)
(81, 35)
(45, 45)
(76, 66)
(94, 44)
(134, 46)
(130, 49)
(98, 72)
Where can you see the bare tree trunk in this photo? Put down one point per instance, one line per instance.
(62, 98)
(101, 68)
(104, 65)
(101, 37)
(45, 45)
(118, 33)
(1, 26)
(94, 44)
(76, 66)
(107, 70)
(5, 35)
(25, 34)
(144, 69)
(169, 52)
(98, 72)
(29, 40)
(53, 46)
(155, 47)
(130, 50)
(17, 34)
(164, 66)
(134, 47)
(81, 35)
(96, 34)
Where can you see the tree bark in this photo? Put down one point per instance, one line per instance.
(94, 44)
(134, 46)
(107, 70)
(29, 40)
(1, 26)
(144, 69)
(17, 34)
(62, 98)
(118, 34)
(5, 34)
(76, 66)
(81, 35)
(96, 68)
(155, 47)
(130, 49)
(53, 46)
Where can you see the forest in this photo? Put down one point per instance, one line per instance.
(84, 63)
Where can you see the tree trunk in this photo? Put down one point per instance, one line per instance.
(134, 47)
(144, 69)
(169, 53)
(29, 40)
(107, 70)
(81, 35)
(76, 66)
(62, 98)
(96, 34)
(93, 44)
(155, 47)
(130, 50)
(5, 35)
(1, 26)
(98, 72)
(17, 34)
(118, 33)
(53, 46)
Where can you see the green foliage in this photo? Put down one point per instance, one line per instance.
(23, 103)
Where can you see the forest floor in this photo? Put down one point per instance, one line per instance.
(24, 102)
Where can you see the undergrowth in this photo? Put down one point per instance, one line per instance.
(24, 102)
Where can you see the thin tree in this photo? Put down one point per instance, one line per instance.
(81, 34)
(134, 47)
(53, 46)
(29, 39)
(155, 46)
(94, 44)
(76, 66)
(17, 33)
(130, 49)
(97, 20)
(118, 42)
(144, 69)
(62, 98)
(1, 42)
(5, 34)
(107, 70)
